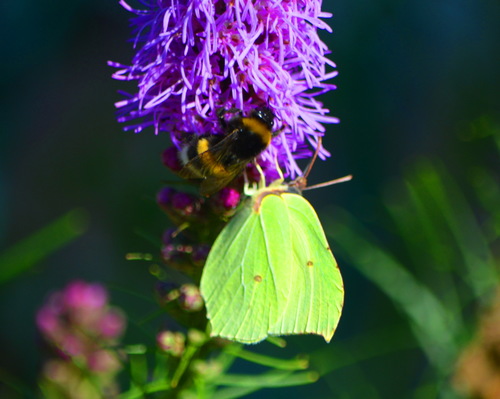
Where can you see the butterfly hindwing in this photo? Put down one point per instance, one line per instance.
(316, 303)
(271, 272)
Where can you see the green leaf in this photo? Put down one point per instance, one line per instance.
(362, 347)
(434, 326)
(138, 368)
(271, 272)
(27, 253)
(152, 387)
(11, 383)
(443, 194)
(281, 364)
(271, 379)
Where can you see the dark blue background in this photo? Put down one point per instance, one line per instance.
(413, 77)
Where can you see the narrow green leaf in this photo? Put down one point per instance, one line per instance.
(449, 200)
(21, 387)
(136, 393)
(421, 225)
(365, 346)
(234, 392)
(487, 190)
(272, 379)
(138, 349)
(27, 253)
(196, 339)
(280, 364)
(161, 369)
(138, 369)
(433, 326)
(277, 341)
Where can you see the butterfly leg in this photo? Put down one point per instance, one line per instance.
(278, 169)
(262, 181)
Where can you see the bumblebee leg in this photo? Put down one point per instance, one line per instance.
(221, 113)
(278, 131)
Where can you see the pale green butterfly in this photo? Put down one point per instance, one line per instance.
(271, 270)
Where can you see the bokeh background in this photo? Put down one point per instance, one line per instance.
(418, 98)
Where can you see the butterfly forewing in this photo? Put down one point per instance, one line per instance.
(238, 285)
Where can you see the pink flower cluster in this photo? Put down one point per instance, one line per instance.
(81, 326)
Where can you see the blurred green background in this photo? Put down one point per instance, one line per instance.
(418, 98)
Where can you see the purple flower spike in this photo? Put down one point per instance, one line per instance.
(195, 57)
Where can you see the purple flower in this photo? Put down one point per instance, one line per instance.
(195, 57)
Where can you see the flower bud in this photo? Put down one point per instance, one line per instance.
(164, 198)
(200, 254)
(190, 298)
(168, 236)
(171, 342)
(79, 294)
(164, 288)
(207, 369)
(185, 204)
(170, 158)
(225, 200)
(47, 320)
(196, 337)
(104, 361)
(112, 324)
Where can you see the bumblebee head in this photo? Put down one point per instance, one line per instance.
(265, 115)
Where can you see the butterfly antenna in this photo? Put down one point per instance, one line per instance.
(329, 183)
(305, 174)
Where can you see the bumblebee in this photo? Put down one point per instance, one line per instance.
(219, 159)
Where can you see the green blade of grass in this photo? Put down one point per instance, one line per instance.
(365, 346)
(426, 236)
(480, 270)
(281, 364)
(433, 326)
(271, 379)
(27, 253)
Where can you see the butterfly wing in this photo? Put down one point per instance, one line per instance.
(239, 286)
(270, 272)
(316, 296)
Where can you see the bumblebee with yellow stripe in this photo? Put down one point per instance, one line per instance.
(219, 159)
